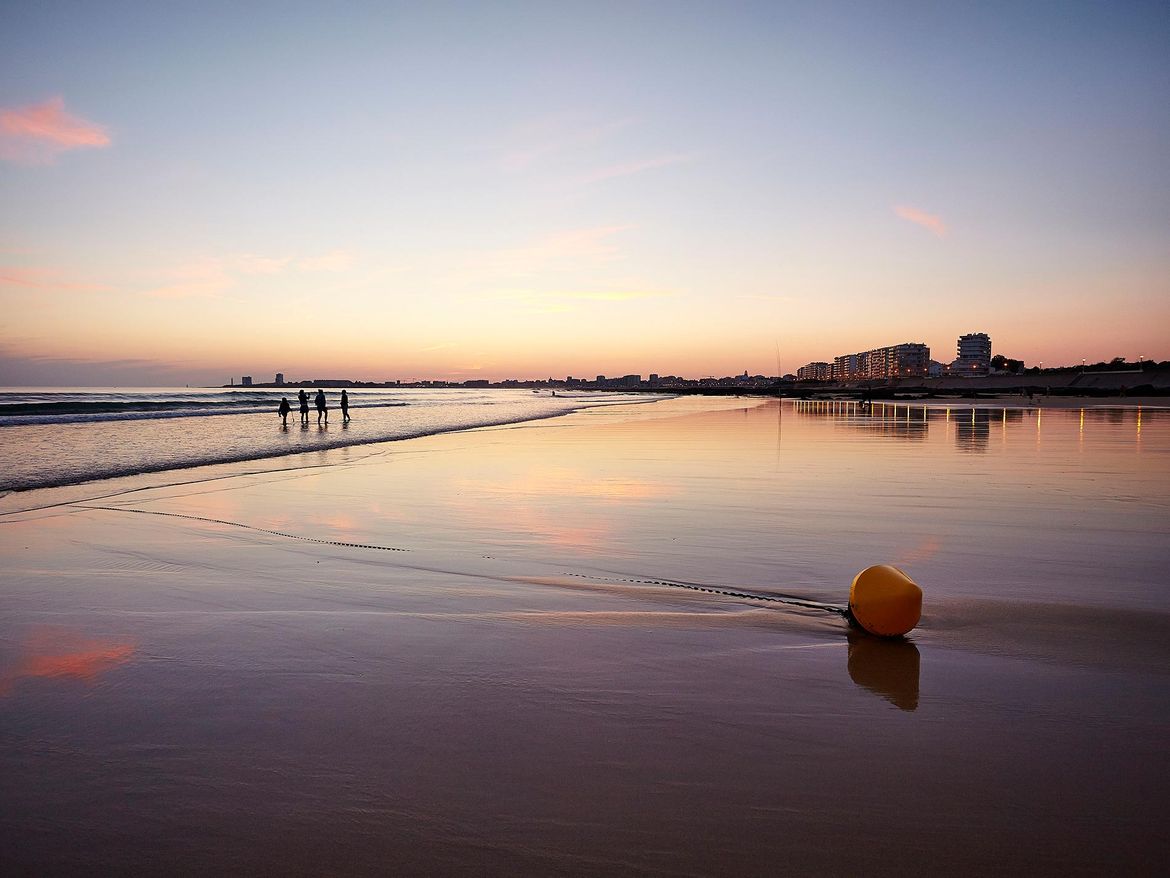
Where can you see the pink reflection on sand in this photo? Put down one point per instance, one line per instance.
(55, 652)
(559, 505)
(924, 551)
(570, 483)
(567, 529)
(339, 525)
(585, 538)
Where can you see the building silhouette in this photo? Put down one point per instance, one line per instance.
(815, 372)
(974, 355)
(907, 360)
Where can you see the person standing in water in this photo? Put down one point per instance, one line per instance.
(322, 408)
(304, 398)
(284, 409)
(344, 407)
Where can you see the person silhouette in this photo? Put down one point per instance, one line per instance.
(284, 409)
(344, 407)
(304, 398)
(322, 408)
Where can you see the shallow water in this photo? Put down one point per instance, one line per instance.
(472, 653)
(63, 436)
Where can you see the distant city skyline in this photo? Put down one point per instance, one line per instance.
(481, 192)
(665, 379)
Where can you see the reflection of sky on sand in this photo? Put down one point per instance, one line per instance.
(63, 653)
(924, 551)
(792, 496)
(560, 506)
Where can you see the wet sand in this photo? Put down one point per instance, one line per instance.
(1041, 400)
(475, 654)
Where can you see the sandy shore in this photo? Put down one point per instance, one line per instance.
(473, 654)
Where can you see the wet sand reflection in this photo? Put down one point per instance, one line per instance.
(62, 653)
(888, 668)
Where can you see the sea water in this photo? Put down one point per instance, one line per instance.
(62, 436)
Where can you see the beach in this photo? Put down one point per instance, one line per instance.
(490, 652)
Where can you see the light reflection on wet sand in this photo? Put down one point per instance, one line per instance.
(54, 652)
(522, 691)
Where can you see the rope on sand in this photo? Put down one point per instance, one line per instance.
(797, 602)
(882, 599)
(262, 530)
(815, 605)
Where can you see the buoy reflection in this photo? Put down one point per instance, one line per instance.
(888, 668)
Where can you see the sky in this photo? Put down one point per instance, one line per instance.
(190, 193)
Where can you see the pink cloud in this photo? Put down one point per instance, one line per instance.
(921, 217)
(212, 277)
(564, 251)
(38, 133)
(205, 279)
(554, 136)
(334, 260)
(628, 168)
(44, 279)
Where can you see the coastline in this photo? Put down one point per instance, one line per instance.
(110, 434)
(467, 652)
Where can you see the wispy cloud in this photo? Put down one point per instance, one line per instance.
(626, 169)
(587, 295)
(205, 279)
(553, 136)
(19, 365)
(36, 278)
(253, 263)
(564, 251)
(214, 276)
(920, 217)
(766, 297)
(38, 133)
(334, 260)
(554, 301)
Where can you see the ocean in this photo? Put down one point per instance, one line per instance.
(51, 437)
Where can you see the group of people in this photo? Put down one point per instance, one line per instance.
(319, 402)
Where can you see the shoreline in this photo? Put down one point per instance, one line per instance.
(934, 402)
(246, 438)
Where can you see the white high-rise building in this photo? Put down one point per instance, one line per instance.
(974, 355)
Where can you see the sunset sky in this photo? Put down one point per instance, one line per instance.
(194, 192)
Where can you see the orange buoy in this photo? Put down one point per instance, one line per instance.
(885, 601)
